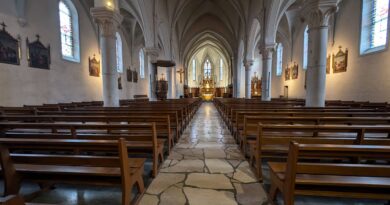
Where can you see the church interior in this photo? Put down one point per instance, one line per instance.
(194, 102)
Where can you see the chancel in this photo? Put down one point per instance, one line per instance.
(194, 102)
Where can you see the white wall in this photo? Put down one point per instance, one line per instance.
(65, 81)
(367, 77)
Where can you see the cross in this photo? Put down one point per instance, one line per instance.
(38, 36)
(3, 24)
(181, 72)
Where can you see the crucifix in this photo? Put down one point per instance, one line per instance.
(3, 25)
(181, 72)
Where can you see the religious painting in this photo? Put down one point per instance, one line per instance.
(9, 48)
(120, 82)
(328, 64)
(340, 61)
(94, 67)
(135, 76)
(287, 73)
(294, 71)
(129, 75)
(37, 54)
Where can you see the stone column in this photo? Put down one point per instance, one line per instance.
(248, 67)
(151, 58)
(266, 77)
(169, 79)
(108, 22)
(317, 15)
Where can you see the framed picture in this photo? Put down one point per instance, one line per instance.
(129, 75)
(294, 71)
(328, 64)
(9, 48)
(135, 76)
(120, 82)
(38, 55)
(287, 73)
(94, 67)
(340, 61)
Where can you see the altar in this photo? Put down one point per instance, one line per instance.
(207, 88)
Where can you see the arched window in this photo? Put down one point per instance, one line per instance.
(374, 25)
(194, 70)
(207, 69)
(279, 60)
(119, 55)
(305, 47)
(220, 69)
(69, 28)
(141, 64)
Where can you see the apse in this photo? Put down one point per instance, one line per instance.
(208, 62)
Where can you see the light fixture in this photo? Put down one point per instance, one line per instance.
(109, 5)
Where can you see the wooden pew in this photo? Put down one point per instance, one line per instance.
(272, 140)
(240, 115)
(163, 126)
(15, 200)
(250, 124)
(145, 142)
(71, 169)
(317, 178)
(176, 124)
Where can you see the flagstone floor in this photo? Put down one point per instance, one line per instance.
(205, 167)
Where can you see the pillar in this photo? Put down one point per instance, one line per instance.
(317, 15)
(151, 59)
(170, 81)
(266, 76)
(248, 67)
(108, 22)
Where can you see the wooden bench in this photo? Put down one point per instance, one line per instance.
(163, 126)
(317, 178)
(15, 200)
(250, 124)
(144, 143)
(272, 141)
(71, 169)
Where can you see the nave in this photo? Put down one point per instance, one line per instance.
(205, 167)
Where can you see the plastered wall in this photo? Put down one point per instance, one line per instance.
(65, 81)
(367, 77)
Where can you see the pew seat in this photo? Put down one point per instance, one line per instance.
(73, 169)
(315, 178)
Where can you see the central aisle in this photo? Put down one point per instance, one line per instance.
(206, 167)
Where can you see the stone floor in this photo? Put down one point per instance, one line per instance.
(205, 167)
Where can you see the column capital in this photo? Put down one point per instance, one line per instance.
(318, 12)
(248, 63)
(108, 20)
(152, 53)
(267, 50)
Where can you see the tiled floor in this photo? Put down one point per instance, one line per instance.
(205, 167)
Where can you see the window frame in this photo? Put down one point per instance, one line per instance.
(368, 51)
(221, 69)
(279, 60)
(193, 70)
(75, 31)
(305, 50)
(119, 52)
(141, 58)
(205, 67)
